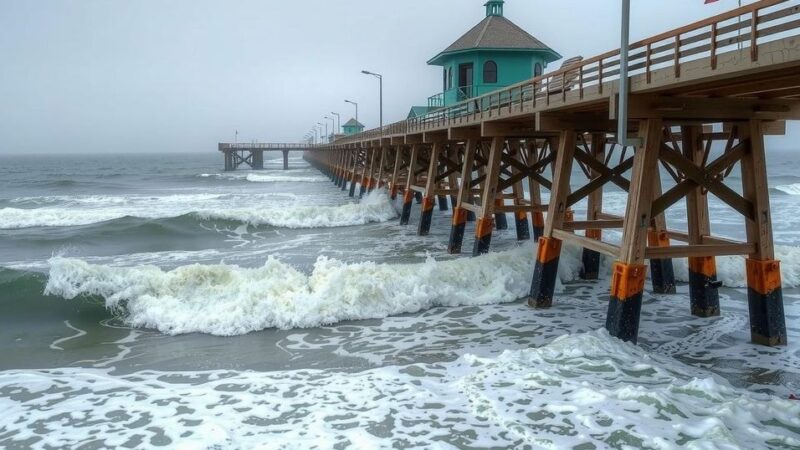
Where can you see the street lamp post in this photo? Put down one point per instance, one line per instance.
(326, 130)
(333, 123)
(354, 104)
(622, 112)
(338, 122)
(380, 79)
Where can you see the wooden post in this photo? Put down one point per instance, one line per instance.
(520, 217)
(354, 174)
(464, 196)
(364, 170)
(285, 160)
(373, 161)
(703, 285)
(426, 215)
(408, 193)
(548, 253)
(452, 179)
(535, 191)
(483, 227)
(764, 291)
(345, 169)
(381, 168)
(662, 273)
(629, 272)
(591, 258)
(398, 160)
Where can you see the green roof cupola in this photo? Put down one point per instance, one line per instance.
(494, 8)
(493, 54)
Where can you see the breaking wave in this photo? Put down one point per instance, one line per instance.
(230, 300)
(375, 207)
(791, 189)
(259, 178)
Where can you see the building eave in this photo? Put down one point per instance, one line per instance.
(550, 55)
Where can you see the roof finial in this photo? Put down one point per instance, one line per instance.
(494, 8)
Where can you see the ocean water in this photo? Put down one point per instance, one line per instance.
(155, 301)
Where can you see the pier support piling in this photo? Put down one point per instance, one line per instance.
(548, 253)
(591, 258)
(764, 291)
(627, 282)
(483, 226)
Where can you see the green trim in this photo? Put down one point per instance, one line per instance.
(550, 54)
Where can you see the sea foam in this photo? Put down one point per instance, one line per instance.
(585, 390)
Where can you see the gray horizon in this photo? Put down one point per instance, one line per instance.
(98, 76)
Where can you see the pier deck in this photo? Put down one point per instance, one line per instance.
(252, 154)
(702, 98)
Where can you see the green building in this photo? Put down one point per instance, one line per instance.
(494, 54)
(352, 127)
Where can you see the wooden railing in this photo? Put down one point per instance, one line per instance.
(743, 28)
(265, 146)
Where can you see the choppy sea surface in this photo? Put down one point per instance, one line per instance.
(155, 301)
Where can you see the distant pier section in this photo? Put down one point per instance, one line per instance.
(252, 154)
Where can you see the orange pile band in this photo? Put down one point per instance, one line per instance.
(704, 265)
(484, 226)
(427, 203)
(459, 216)
(763, 276)
(408, 196)
(627, 280)
(657, 238)
(538, 219)
(594, 234)
(521, 215)
(549, 249)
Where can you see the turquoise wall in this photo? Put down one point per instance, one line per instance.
(512, 68)
(349, 131)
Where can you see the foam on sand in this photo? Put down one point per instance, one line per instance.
(586, 390)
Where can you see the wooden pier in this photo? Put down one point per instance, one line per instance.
(702, 99)
(252, 155)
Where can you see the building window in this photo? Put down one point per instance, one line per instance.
(537, 70)
(449, 78)
(490, 72)
(444, 79)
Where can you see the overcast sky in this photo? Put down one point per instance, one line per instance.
(182, 75)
